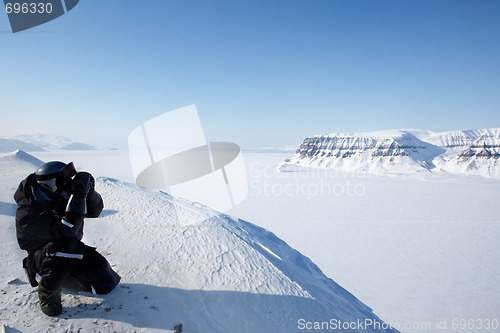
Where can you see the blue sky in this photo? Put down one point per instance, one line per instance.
(261, 73)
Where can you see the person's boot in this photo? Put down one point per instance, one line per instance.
(50, 301)
(30, 273)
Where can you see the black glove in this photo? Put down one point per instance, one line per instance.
(82, 184)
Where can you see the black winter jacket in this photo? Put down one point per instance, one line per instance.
(40, 219)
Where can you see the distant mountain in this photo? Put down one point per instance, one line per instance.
(402, 151)
(44, 140)
(9, 145)
(452, 139)
(481, 157)
(50, 141)
(375, 152)
(78, 146)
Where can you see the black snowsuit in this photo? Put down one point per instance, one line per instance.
(52, 238)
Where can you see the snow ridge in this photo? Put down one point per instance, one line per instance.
(452, 139)
(258, 281)
(214, 273)
(18, 159)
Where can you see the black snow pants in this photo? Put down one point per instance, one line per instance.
(72, 264)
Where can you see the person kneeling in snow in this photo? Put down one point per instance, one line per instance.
(52, 204)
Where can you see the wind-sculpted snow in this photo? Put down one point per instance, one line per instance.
(234, 275)
(11, 162)
(402, 152)
(180, 262)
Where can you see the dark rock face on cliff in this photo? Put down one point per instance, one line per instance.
(486, 146)
(481, 157)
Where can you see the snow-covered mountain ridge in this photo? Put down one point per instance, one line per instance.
(402, 152)
(481, 157)
(180, 262)
(40, 142)
(9, 145)
(451, 139)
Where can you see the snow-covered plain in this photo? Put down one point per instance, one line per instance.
(420, 250)
(212, 272)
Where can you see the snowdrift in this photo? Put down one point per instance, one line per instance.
(180, 262)
(18, 161)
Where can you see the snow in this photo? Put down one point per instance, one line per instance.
(11, 162)
(51, 141)
(9, 145)
(215, 274)
(420, 248)
(386, 152)
(40, 142)
(390, 133)
(396, 152)
(417, 248)
(446, 139)
(452, 139)
(480, 157)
